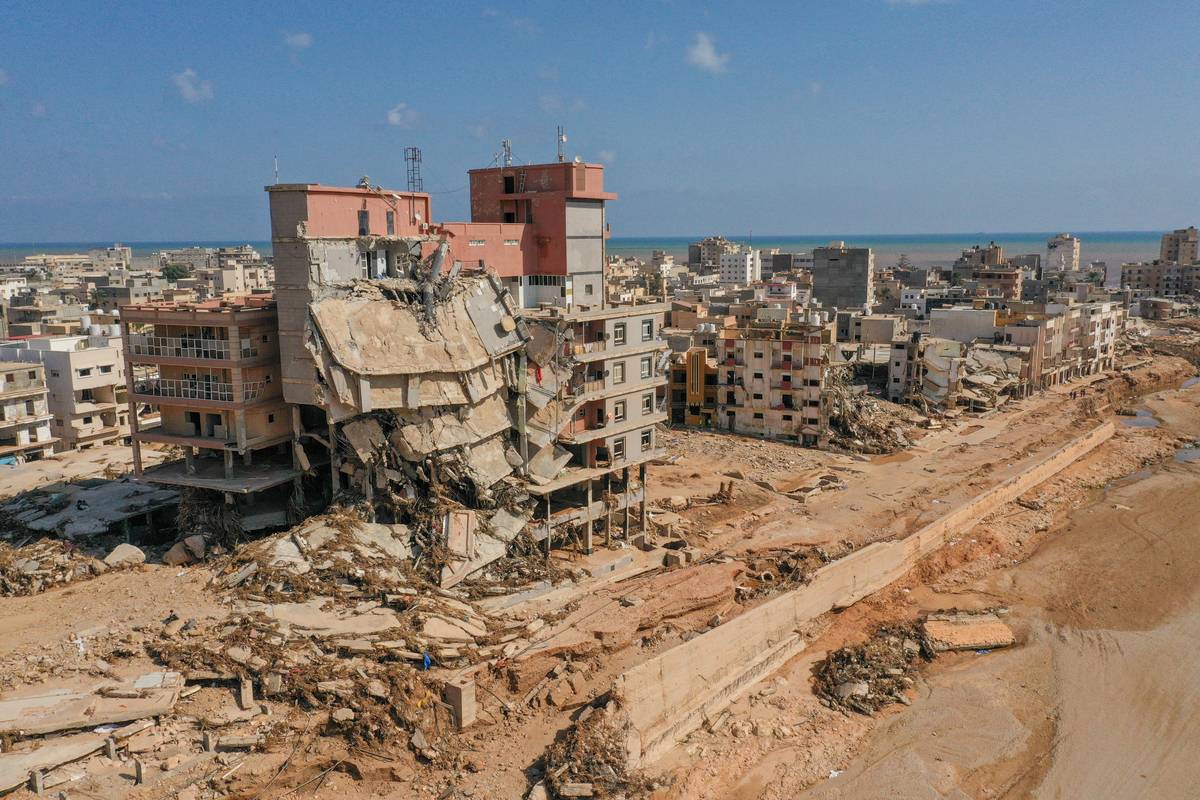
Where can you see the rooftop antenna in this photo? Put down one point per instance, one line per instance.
(562, 139)
(277, 168)
(412, 158)
(506, 145)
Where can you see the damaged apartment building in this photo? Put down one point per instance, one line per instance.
(468, 380)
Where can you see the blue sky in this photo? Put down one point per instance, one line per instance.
(144, 121)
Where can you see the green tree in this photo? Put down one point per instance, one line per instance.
(173, 272)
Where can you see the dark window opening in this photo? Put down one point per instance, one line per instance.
(364, 223)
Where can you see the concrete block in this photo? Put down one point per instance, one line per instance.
(459, 694)
(674, 558)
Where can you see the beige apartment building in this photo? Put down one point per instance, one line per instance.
(85, 378)
(24, 414)
(771, 380)
(1180, 246)
(212, 371)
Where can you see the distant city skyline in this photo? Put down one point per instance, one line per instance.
(890, 116)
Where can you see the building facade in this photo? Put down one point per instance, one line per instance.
(212, 372)
(1062, 254)
(843, 277)
(85, 381)
(771, 380)
(1180, 246)
(741, 268)
(25, 417)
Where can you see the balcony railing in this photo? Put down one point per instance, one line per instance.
(188, 389)
(172, 347)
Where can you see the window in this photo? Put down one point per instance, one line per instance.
(647, 330)
(105, 369)
(476, 243)
(758, 397)
(391, 223)
(619, 411)
(758, 355)
(364, 222)
(758, 376)
(87, 420)
(619, 333)
(618, 448)
(589, 289)
(646, 366)
(270, 418)
(647, 439)
(787, 417)
(86, 372)
(618, 372)
(32, 375)
(53, 373)
(758, 416)
(647, 404)
(510, 184)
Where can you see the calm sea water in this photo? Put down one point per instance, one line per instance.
(932, 249)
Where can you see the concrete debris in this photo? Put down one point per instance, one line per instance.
(967, 631)
(591, 758)
(866, 677)
(860, 423)
(153, 694)
(34, 567)
(85, 508)
(124, 554)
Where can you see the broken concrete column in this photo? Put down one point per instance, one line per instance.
(459, 694)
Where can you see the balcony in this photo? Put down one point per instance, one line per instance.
(200, 390)
(204, 349)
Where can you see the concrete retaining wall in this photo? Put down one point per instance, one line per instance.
(671, 694)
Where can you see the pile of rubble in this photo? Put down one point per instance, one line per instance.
(860, 423)
(777, 570)
(334, 614)
(866, 677)
(591, 759)
(32, 567)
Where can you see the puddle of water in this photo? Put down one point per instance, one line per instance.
(1188, 455)
(1132, 477)
(1190, 382)
(1144, 419)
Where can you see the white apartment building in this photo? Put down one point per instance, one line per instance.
(1062, 254)
(741, 268)
(85, 379)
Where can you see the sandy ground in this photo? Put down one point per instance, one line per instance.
(1093, 702)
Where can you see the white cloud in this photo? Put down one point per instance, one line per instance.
(702, 54)
(556, 104)
(38, 110)
(607, 156)
(191, 88)
(298, 40)
(401, 116)
(3, 77)
(524, 26)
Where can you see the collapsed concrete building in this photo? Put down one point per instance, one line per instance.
(466, 379)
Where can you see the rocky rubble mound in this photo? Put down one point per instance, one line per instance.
(869, 676)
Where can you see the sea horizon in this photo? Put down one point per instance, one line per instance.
(934, 249)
